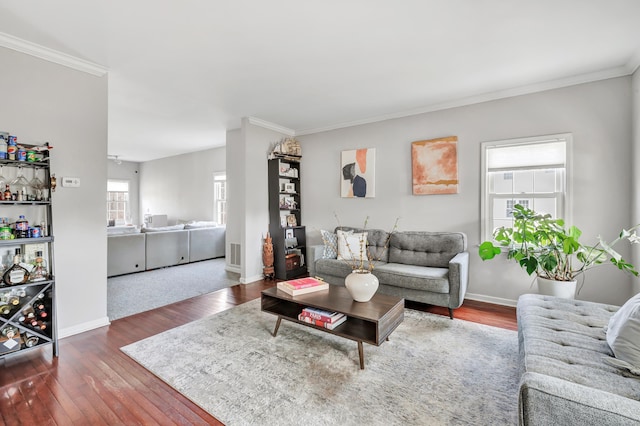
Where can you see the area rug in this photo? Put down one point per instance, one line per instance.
(432, 371)
(134, 293)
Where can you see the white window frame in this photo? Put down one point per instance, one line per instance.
(219, 177)
(127, 202)
(486, 198)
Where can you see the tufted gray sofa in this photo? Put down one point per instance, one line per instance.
(566, 379)
(427, 267)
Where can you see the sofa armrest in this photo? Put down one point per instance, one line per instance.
(313, 254)
(458, 279)
(546, 400)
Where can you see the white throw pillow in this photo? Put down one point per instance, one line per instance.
(351, 244)
(623, 334)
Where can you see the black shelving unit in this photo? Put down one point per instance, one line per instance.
(17, 335)
(285, 219)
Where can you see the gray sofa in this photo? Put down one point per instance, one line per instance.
(427, 267)
(160, 247)
(566, 378)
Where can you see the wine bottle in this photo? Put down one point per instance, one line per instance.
(40, 310)
(9, 332)
(30, 340)
(4, 308)
(16, 274)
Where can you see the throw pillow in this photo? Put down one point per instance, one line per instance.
(330, 241)
(623, 334)
(351, 245)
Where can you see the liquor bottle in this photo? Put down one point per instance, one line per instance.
(30, 340)
(16, 274)
(9, 332)
(39, 271)
(7, 193)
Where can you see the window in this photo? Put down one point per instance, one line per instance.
(220, 198)
(118, 202)
(532, 172)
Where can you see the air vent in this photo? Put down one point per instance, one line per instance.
(234, 257)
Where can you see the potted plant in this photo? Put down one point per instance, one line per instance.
(542, 245)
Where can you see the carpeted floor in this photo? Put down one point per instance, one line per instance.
(133, 293)
(432, 371)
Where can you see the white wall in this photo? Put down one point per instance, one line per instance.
(599, 116)
(181, 186)
(43, 101)
(129, 171)
(636, 170)
(248, 206)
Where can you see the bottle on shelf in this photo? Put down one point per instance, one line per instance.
(30, 340)
(9, 332)
(7, 193)
(22, 227)
(5, 308)
(39, 271)
(16, 274)
(3, 145)
(12, 147)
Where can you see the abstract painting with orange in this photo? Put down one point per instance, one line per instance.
(434, 165)
(358, 173)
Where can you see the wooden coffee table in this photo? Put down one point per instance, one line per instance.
(367, 322)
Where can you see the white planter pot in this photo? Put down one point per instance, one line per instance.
(361, 285)
(564, 289)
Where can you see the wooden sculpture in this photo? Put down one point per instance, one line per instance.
(267, 258)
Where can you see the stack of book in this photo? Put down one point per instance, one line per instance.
(302, 286)
(321, 318)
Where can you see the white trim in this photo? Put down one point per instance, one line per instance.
(230, 268)
(491, 299)
(271, 126)
(251, 279)
(485, 97)
(85, 326)
(484, 191)
(23, 46)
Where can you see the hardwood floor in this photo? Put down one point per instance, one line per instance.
(94, 383)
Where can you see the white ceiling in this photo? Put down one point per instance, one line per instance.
(183, 72)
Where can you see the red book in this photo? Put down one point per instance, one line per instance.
(302, 283)
(323, 324)
(319, 314)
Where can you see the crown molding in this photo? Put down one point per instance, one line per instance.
(485, 97)
(271, 126)
(51, 55)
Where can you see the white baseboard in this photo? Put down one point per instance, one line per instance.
(81, 328)
(230, 268)
(249, 280)
(491, 299)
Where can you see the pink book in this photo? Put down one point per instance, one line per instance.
(303, 283)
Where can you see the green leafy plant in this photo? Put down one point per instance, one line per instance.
(542, 245)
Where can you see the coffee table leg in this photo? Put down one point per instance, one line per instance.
(275, 331)
(361, 353)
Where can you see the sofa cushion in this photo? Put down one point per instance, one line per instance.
(330, 241)
(351, 245)
(565, 338)
(623, 334)
(336, 267)
(377, 242)
(434, 249)
(164, 228)
(435, 280)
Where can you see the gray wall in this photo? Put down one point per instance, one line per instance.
(128, 170)
(636, 170)
(43, 101)
(599, 116)
(181, 186)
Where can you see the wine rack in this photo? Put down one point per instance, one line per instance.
(28, 319)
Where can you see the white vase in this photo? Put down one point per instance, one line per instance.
(564, 289)
(361, 285)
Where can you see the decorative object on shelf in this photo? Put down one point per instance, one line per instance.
(290, 188)
(286, 148)
(267, 258)
(358, 173)
(434, 166)
(53, 183)
(292, 220)
(361, 285)
(542, 245)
